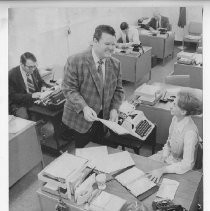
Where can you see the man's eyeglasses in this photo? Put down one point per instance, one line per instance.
(31, 67)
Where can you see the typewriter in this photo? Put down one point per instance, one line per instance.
(52, 99)
(135, 121)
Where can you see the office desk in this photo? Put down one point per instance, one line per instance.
(160, 113)
(162, 44)
(195, 71)
(134, 68)
(186, 195)
(24, 149)
(55, 117)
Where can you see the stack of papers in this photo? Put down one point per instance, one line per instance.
(62, 168)
(106, 202)
(115, 162)
(105, 162)
(93, 154)
(167, 189)
(135, 181)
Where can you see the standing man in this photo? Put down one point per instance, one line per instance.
(129, 35)
(158, 21)
(92, 85)
(25, 85)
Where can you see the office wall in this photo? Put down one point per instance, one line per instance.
(44, 31)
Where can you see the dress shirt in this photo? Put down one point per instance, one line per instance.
(181, 146)
(133, 36)
(180, 150)
(96, 60)
(24, 75)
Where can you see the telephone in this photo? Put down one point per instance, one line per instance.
(162, 30)
(138, 125)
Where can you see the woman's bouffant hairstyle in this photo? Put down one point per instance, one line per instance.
(189, 103)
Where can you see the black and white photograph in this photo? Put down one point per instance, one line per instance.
(105, 105)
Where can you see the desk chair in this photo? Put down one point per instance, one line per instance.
(194, 29)
(179, 80)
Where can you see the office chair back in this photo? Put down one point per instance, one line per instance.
(178, 80)
(199, 159)
(195, 28)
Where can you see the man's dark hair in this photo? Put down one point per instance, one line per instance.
(25, 56)
(103, 29)
(123, 26)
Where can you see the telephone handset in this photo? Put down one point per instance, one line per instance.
(137, 123)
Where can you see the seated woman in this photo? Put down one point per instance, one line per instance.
(180, 150)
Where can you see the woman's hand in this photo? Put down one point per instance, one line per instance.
(155, 175)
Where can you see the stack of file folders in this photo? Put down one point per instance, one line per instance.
(66, 169)
(137, 183)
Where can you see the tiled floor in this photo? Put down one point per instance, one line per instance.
(22, 195)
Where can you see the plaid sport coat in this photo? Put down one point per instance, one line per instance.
(81, 86)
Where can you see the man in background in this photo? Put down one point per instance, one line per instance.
(158, 21)
(92, 85)
(25, 86)
(129, 35)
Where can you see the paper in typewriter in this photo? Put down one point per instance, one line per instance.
(64, 166)
(106, 202)
(135, 181)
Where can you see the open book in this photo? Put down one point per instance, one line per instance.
(137, 183)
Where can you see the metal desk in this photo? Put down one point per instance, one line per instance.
(24, 149)
(160, 114)
(134, 67)
(186, 195)
(162, 44)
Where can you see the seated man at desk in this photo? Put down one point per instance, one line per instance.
(180, 150)
(158, 21)
(129, 35)
(25, 85)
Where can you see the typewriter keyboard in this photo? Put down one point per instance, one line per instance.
(143, 128)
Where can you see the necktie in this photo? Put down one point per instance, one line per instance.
(100, 73)
(31, 88)
(127, 39)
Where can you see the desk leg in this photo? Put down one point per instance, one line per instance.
(153, 136)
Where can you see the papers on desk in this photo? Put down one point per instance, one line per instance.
(106, 202)
(17, 124)
(115, 162)
(135, 181)
(93, 154)
(62, 168)
(105, 162)
(167, 189)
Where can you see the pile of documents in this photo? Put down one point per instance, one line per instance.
(65, 168)
(136, 182)
(105, 162)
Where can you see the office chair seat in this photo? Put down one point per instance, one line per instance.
(178, 80)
